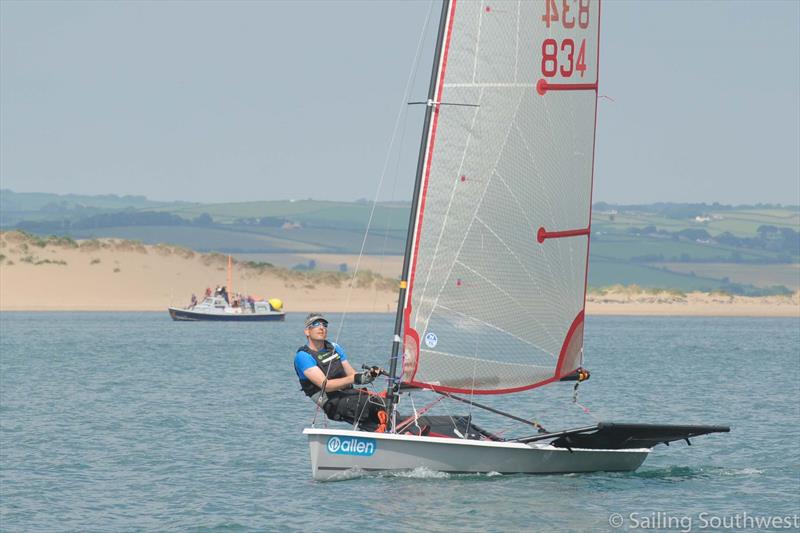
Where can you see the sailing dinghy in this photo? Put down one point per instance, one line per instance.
(494, 279)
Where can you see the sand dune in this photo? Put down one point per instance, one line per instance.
(111, 274)
(117, 275)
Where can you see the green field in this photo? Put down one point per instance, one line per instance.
(604, 272)
(200, 239)
(757, 275)
(627, 248)
(345, 215)
(335, 240)
(254, 240)
(741, 222)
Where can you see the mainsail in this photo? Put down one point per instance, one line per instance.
(498, 261)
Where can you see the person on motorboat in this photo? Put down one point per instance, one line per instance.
(321, 364)
(222, 291)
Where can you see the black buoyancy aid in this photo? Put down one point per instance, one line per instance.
(328, 361)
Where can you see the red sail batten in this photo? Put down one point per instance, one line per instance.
(543, 234)
(543, 86)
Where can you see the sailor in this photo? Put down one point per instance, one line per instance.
(323, 364)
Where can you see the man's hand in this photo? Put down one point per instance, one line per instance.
(365, 377)
(368, 375)
(376, 371)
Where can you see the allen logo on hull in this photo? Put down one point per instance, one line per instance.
(351, 446)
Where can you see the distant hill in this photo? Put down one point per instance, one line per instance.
(746, 249)
(17, 207)
(33, 201)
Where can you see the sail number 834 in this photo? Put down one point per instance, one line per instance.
(551, 14)
(565, 57)
(553, 54)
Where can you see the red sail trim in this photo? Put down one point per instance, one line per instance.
(439, 388)
(562, 357)
(410, 332)
(424, 192)
(543, 86)
(543, 234)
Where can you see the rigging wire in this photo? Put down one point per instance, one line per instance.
(409, 84)
(402, 111)
(396, 170)
(396, 173)
(416, 414)
(322, 400)
(403, 424)
(575, 395)
(371, 398)
(472, 391)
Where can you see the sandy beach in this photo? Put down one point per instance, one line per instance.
(117, 275)
(624, 301)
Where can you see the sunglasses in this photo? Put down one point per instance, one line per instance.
(319, 323)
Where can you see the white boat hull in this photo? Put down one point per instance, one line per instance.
(337, 454)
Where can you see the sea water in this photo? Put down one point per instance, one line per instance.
(129, 421)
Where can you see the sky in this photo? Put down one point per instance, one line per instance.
(240, 101)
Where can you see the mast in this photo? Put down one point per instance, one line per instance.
(398, 323)
(230, 277)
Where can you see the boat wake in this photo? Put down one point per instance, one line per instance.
(676, 473)
(426, 473)
(670, 473)
(416, 473)
(738, 471)
(419, 473)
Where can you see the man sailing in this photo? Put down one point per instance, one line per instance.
(321, 364)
